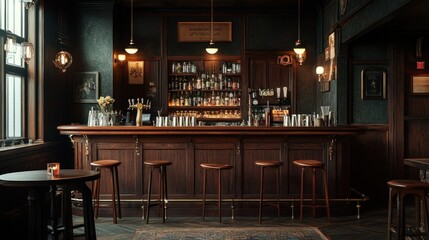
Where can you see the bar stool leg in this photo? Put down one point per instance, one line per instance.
(424, 213)
(389, 214)
(220, 197)
(165, 193)
(261, 194)
(302, 194)
(313, 197)
(96, 194)
(115, 220)
(162, 192)
(204, 192)
(401, 229)
(278, 192)
(325, 182)
(148, 195)
(117, 191)
(159, 190)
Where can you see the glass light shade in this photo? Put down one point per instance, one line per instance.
(10, 45)
(299, 50)
(299, 47)
(320, 70)
(29, 3)
(122, 57)
(27, 51)
(131, 49)
(211, 49)
(63, 60)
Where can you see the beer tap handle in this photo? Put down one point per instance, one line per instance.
(132, 101)
(129, 103)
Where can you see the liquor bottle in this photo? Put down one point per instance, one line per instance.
(198, 85)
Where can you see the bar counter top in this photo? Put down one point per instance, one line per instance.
(208, 130)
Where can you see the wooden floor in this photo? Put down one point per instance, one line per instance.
(371, 225)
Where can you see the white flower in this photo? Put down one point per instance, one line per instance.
(105, 103)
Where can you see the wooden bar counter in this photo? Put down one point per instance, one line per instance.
(188, 147)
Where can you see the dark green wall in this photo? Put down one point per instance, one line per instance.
(92, 51)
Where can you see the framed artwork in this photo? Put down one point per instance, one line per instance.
(85, 87)
(200, 31)
(420, 84)
(136, 72)
(373, 84)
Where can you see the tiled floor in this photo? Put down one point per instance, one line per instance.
(371, 226)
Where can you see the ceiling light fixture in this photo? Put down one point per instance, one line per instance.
(63, 59)
(299, 48)
(10, 45)
(29, 3)
(131, 49)
(27, 51)
(211, 49)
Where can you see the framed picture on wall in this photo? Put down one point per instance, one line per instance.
(373, 84)
(420, 84)
(136, 72)
(85, 87)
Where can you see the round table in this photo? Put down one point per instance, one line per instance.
(38, 183)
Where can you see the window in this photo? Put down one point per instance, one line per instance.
(13, 72)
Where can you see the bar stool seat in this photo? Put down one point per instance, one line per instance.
(313, 165)
(161, 165)
(403, 188)
(219, 168)
(270, 164)
(112, 165)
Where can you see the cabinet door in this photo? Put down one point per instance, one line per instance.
(216, 150)
(310, 149)
(129, 173)
(179, 173)
(257, 150)
(266, 73)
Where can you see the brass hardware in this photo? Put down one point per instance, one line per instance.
(331, 149)
(71, 139)
(137, 146)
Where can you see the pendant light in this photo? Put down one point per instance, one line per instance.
(29, 3)
(299, 48)
(27, 51)
(131, 49)
(63, 59)
(211, 49)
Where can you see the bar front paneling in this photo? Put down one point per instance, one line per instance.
(188, 147)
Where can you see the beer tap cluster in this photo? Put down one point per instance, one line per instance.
(140, 105)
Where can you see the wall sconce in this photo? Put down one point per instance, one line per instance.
(122, 57)
(10, 45)
(29, 3)
(27, 51)
(320, 71)
(63, 60)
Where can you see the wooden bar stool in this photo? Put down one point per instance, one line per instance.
(403, 188)
(161, 165)
(219, 168)
(270, 164)
(313, 165)
(112, 165)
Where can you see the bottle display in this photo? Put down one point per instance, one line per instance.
(207, 94)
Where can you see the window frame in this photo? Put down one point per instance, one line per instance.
(19, 71)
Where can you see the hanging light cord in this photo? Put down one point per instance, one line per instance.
(132, 41)
(299, 21)
(211, 19)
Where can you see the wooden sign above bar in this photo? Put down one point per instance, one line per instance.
(200, 32)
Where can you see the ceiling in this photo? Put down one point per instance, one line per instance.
(242, 4)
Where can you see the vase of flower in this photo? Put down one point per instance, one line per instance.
(106, 106)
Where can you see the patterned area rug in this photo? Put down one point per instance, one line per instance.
(260, 233)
